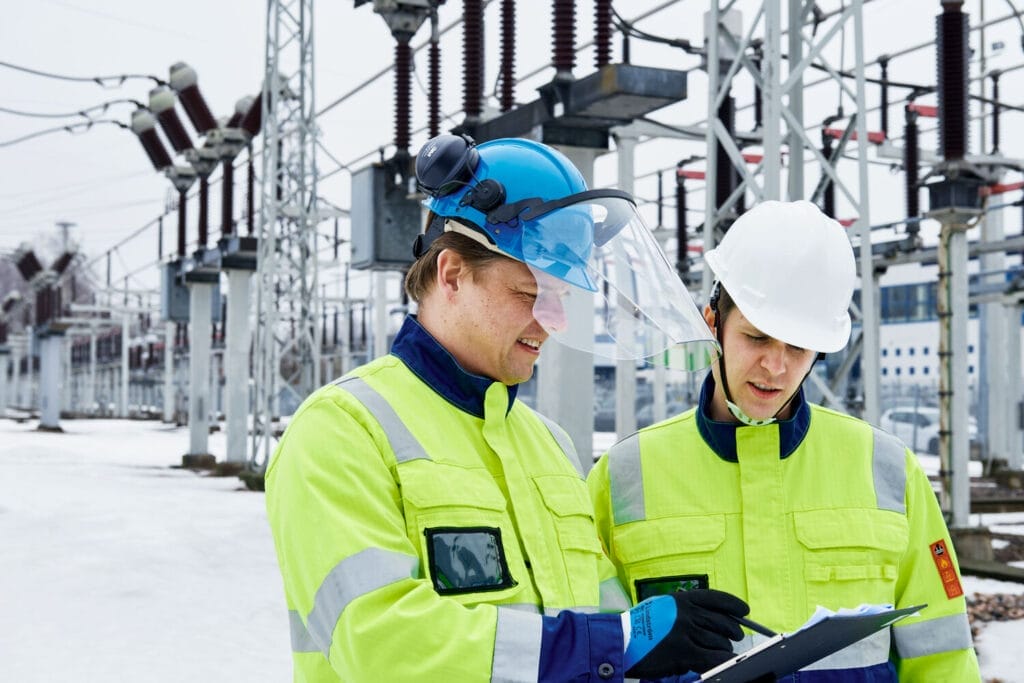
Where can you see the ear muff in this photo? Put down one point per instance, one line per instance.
(485, 195)
(446, 164)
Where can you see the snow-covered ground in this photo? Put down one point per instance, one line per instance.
(117, 566)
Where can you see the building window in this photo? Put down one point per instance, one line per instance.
(910, 370)
(910, 351)
(885, 371)
(924, 350)
(926, 370)
(897, 351)
(897, 371)
(885, 352)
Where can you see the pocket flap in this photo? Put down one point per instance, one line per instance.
(851, 528)
(653, 538)
(564, 495)
(429, 484)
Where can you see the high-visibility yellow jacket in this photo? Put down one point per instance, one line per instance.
(429, 527)
(821, 509)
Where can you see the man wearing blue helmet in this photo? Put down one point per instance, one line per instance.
(428, 525)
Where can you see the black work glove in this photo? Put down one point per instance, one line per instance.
(685, 631)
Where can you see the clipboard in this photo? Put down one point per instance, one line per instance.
(785, 653)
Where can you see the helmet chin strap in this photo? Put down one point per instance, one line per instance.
(733, 407)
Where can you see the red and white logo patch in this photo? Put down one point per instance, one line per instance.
(947, 572)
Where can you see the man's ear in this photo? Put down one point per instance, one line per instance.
(451, 267)
(709, 317)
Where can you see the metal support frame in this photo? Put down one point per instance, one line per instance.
(287, 267)
(765, 181)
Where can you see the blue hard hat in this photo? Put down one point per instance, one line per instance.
(493, 188)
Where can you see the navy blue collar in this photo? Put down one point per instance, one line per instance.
(721, 436)
(435, 365)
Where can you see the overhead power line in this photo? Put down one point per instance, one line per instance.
(70, 128)
(98, 80)
(103, 107)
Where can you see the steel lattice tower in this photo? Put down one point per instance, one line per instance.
(287, 342)
(765, 181)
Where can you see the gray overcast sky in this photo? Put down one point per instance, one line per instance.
(102, 181)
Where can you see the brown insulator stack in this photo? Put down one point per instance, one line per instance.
(403, 86)
(725, 174)
(204, 207)
(508, 54)
(472, 58)
(682, 267)
(952, 49)
(911, 168)
(602, 32)
(227, 202)
(883, 62)
(182, 198)
(434, 98)
(564, 37)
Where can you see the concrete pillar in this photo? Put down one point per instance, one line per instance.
(625, 369)
(125, 370)
(90, 382)
(13, 398)
(992, 349)
(565, 381)
(168, 412)
(5, 359)
(68, 393)
(236, 348)
(1013, 409)
(200, 294)
(380, 313)
(49, 382)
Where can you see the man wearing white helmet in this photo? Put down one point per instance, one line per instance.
(783, 503)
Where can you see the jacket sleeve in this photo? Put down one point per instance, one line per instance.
(356, 592)
(937, 644)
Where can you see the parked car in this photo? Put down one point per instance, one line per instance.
(918, 427)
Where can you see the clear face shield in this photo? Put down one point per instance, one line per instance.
(606, 287)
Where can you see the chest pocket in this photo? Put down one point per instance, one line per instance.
(573, 516)
(457, 519)
(851, 556)
(664, 550)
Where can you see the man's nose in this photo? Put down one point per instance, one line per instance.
(774, 358)
(549, 312)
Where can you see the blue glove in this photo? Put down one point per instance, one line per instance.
(681, 632)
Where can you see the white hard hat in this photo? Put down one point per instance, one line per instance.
(789, 268)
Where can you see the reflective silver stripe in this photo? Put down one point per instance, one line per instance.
(625, 481)
(564, 442)
(355, 576)
(868, 652)
(613, 597)
(516, 647)
(301, 640)
(405, 446)
(889, 470)
(943, 634)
